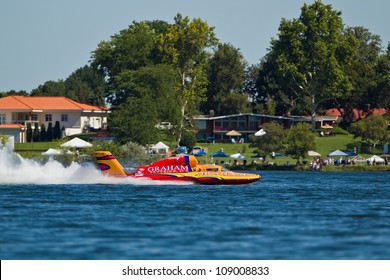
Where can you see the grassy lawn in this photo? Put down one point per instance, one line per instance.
(324, 146)
(31, 150)
(36, 146)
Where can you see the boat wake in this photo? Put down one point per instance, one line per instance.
(15, 169)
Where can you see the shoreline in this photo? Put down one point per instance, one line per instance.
(328, 168)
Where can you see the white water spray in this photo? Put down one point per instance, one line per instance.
(15, 169)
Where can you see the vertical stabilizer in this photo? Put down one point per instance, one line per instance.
(109, 165)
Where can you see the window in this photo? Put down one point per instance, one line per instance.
(48, 118)
(64, 118)
(2, 118)
(201, 124)
(34, 117)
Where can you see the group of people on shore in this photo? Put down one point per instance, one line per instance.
(318, 163)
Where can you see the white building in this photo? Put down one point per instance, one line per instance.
(17, 111)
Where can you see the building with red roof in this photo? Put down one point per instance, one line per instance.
(357, 114)
(17, 111)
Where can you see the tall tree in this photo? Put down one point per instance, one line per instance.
(131, 49)
(36, 132)
(308, 56)
(361, 71)
(50, 88)
(226, 74)
(155, 81)
(185, 46)
(373, 129)
(13, 92)
(250, 87)
(49, 132)
(134, 120)
(383, 80)
(300, 140)
(86, 85)
(234, 103)
(270, 98)
(274, 139)
(42, 136)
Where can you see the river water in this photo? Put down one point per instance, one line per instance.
(52, 212)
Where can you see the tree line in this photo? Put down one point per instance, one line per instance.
(154, 71)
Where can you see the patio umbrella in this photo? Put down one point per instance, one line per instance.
(313, 154)
(51, 152)
(76, 143)
(327, 126)
(237, 156)
(261, 132)
(200, 153)
(219, 154)
(337, 153)
(233, 133)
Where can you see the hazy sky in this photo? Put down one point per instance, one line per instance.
(44, 40)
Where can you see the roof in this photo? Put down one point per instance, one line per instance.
(47, 103)
(206, 117)
(12, 126)
(356, 113)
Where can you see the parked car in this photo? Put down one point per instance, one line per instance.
(196, 149)
(164, 126)
(182, 150)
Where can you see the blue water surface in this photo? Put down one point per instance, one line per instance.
(286, 215)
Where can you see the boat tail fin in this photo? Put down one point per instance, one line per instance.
(109, 165)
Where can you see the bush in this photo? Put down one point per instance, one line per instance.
(135, 154)
(339, 130)
(188, 139)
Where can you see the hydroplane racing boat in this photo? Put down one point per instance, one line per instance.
(179, 168)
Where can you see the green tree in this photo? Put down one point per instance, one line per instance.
(150, 92)
(29, 132)
(274, 139)
(270, 98)
(188, 139)
(42, 136)
(13, 92)
(156, 82)
(185, 46)
(300, 140)
(141, 88)
(134, 120)
(308, 56)
(372, 129)
(383, 80)
(49, 132)
(134, 153)
(361, 72)
(226, 74)
(50, 88)
(35, 135)
(57, 130)
(130, 50)
(250, 87)
(234, 103)
(86, 85)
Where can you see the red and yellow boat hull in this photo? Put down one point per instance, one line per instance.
(181, 168)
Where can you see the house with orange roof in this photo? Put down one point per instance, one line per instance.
(74, 117)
